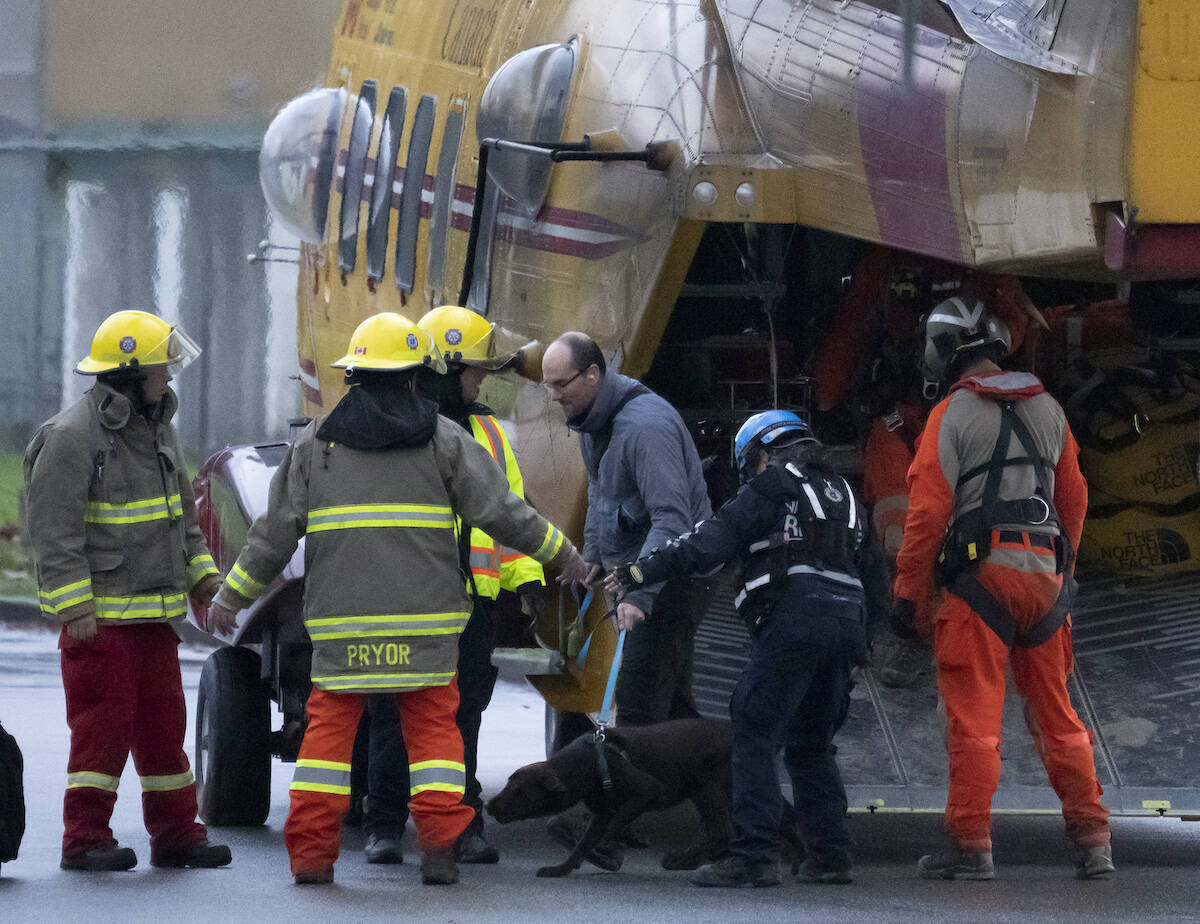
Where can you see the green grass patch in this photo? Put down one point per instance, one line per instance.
(12, 483)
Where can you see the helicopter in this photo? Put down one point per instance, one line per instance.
(697, 185)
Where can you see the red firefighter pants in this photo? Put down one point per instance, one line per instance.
(320, 788)
(971, 663)
(124, 695)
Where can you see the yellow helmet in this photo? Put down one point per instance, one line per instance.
(135, 340)
(464, 336)
(390, 342)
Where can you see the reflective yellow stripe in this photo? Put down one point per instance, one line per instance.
(385, 626)
(141, 607)
(553, 541)
(331, 776)
(437, 775)
(383, 681)
(57, 600)
(241, 582)
(360, 516)
(83, 778)
(167, 783)
(139, 511)
(205, 563)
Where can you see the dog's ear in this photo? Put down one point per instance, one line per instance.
(551, 780)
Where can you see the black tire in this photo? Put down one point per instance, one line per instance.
(564, 727)
(233, 740)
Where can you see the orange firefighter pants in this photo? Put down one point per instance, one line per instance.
(312, 831)
(971, 662)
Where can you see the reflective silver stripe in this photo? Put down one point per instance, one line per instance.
(840, 576)
(812, 499)
(357, 516)
(737, 601)
(850, 497)
(322, 776)
(83, 778)
(167, 783)
(760, 545)
(243, 583)
(385, 626)
(550, 545)
(141, 607)
(382, 681)
(55, 601)
(439, 775)
(139, 511)
(483, 561)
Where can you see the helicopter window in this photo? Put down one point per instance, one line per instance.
(352, 185)
(410, 197)
(381, 192)
(443, 199)
(295, 164)
(526, 100)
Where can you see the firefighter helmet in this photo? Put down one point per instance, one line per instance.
(129, 340)
(763, 429)
(464, 336)
(390, 342)
(953, 329)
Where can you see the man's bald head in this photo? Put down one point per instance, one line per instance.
(572, 369)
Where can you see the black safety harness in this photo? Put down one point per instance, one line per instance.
(969, 538)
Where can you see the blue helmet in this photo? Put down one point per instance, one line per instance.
(763, 429)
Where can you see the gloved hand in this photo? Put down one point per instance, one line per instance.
(533, 601)
(623, 579)
(903, 618)
(80, 621)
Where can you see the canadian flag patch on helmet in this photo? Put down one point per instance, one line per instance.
(360, 351)
(128, 344)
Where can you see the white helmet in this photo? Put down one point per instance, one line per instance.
(953, 329)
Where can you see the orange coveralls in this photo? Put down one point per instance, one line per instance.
(961, 433)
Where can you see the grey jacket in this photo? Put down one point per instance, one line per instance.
(647, 488)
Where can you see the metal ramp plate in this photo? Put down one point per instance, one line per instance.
(1136, 685)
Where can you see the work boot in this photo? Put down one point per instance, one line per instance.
(383, 849)
(812, 871)
(315, 876)
(471, 847)
(438, 867)
(198, 855)
(735, 872)
(101, 859)
(957, 863)
(909, 661)
(569, 827)
(1094, 862)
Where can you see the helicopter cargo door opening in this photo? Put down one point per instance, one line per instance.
(767, 311)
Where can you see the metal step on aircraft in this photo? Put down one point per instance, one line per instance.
(693, 183)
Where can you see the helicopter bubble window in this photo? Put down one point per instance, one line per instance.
(356, 168)
(443, 199)
(296, 162)
(410, 198)
(381, 192)
(526, 100)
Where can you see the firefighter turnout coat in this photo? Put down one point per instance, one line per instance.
(111, 514)
(385, 600)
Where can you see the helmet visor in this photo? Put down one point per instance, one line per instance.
(182, 350)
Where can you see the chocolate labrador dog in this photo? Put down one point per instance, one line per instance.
(633, 770)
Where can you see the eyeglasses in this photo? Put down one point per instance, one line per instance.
(560, 387)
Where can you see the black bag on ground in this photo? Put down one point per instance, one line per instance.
(12, 797)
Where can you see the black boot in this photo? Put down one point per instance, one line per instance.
(199, 855)
(106, 859)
